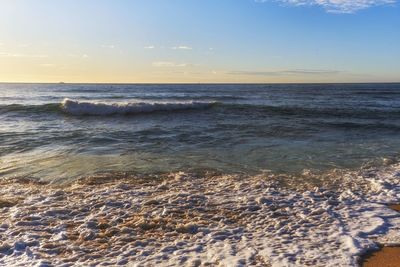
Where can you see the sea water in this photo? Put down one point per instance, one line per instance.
(48, 130)
(198, 175)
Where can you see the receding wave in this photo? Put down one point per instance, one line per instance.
(217, 220)
(75, 107)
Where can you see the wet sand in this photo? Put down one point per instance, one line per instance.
(395, 207)
(5, 203)
(386, 256)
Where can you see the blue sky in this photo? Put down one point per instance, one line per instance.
(199, 41)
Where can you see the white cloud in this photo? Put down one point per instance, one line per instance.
(109, 46)
(78, 55)
(182, 47)
(16, 55)
(149, 47)
(336, 6)
(164, 64)
(286, 72)
(47, 65)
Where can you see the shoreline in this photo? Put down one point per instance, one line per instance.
(395, 207)
(384, 257)
(388, 256)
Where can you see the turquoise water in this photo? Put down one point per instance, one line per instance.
(148, 129)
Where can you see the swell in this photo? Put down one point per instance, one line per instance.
(93, 108)
(351, 112)
(30, 109)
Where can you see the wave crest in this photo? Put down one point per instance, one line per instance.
(75, 107)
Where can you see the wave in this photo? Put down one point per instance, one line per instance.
(30, 109)
(103, 108)
(75, 107)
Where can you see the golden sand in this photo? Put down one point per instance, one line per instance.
(395, 207)
(386, 256)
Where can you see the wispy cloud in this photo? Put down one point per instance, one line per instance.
(285, 72)
(78, 55)
(109, 46)
(182, 47)
(164, 64)
(16, 55)
(47, 65)
(179, 47)
(336, 6)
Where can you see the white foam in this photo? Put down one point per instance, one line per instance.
(75, 107)
(186, 221)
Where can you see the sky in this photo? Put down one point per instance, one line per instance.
(199, 41)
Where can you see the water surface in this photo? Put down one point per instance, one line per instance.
(147, 129)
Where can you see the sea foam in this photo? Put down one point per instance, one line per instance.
(75, 107)
(186, 220)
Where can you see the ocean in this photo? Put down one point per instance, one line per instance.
(47, 130)
(197, 174)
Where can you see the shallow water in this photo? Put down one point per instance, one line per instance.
(147, 129)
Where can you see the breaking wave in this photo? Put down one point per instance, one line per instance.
(75, 107)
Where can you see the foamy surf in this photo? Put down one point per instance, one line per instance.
(184, 220)
(75, 107)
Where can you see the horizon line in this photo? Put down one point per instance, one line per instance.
(197, 83)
